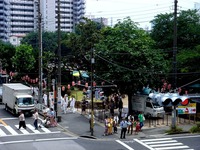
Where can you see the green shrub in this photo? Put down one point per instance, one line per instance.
(174, 130)
(196, 128)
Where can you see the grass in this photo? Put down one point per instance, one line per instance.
(174, 130)
(196, 128)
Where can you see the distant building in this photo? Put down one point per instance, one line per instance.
(16, 39)
(104, 21)
(19, 17)
(100, 20)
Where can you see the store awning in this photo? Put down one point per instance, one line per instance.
(77, 74)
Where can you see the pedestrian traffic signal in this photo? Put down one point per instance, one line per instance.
(169, 99)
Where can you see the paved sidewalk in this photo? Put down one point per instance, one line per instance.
(78, 125)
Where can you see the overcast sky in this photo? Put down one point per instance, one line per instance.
(141, 11)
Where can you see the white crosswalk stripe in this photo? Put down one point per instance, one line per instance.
(30, 129)
(163, 144)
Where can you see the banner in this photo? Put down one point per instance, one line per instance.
(189, 109)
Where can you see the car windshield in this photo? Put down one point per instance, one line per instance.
(156, 105)
(25, 101)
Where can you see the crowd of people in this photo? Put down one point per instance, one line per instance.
(68, 104)
(128, 125)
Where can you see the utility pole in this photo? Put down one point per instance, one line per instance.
(175, 44)
(59, 68)
(40, 52)
(174, 60)
(92, 80)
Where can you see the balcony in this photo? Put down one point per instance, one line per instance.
(25, 13)
(21, 7)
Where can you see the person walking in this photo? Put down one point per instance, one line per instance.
(22, 122)
(35, 116)
(83, 105)
(72, 104)
(130, 126)
(65, 103)
(141, 120)
(123, 125)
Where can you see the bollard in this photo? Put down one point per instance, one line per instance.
(167, 119)
(163, 119)
(58, 118)
(149, 122)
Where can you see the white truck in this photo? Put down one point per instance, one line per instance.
(140, 103)
(18, 97)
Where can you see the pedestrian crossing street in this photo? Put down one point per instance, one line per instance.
(30, 129)
(163, 144)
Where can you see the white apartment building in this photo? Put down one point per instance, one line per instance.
(19, 17)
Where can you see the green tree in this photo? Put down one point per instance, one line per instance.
(80, 43)
(23, 59)
(125, 56)
(6, 52)
(188, 34)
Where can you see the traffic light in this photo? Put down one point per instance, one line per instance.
(169, 99)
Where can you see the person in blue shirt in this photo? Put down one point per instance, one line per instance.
(123, 125)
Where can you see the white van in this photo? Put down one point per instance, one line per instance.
(140, 103)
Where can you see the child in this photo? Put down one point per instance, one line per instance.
(137, 126)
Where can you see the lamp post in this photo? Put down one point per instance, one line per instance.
(92, 80)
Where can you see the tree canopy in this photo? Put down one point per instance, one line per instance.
(6, 52)
(188, 34)
(23, 60)
(126, 57)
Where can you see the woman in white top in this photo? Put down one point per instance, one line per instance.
(65, 103)
(72, 104)
(22, 121)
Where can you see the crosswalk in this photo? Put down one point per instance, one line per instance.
(30, 129)
(163, 144)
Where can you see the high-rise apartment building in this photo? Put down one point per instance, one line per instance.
(4, 22)
(19, 17)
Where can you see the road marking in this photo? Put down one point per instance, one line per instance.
(55, 132)
(158, 142)
(45, 130)
(2, 122)
(171, 144)
(162, 144)
(145, 145)
(176, 147)
(8, 118)
(160, 139)
(11, 130)
(125, 145)
(24, 131)
(32, 128)
(2, 133)
(38, 140)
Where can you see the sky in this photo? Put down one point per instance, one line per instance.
(140, 11)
